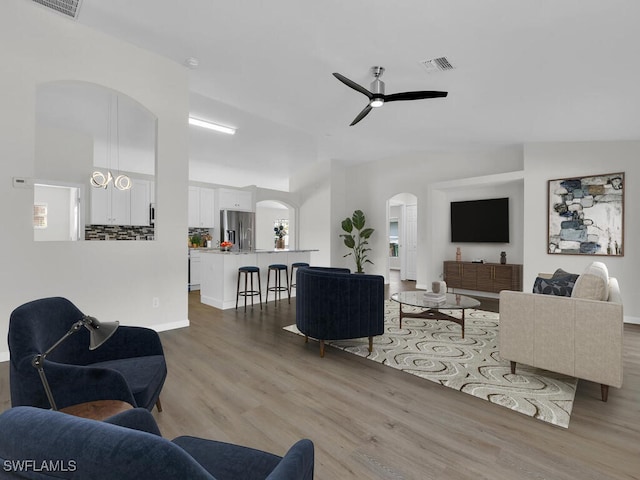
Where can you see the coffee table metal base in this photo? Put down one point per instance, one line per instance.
(433, 315)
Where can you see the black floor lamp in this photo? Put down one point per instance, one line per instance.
(98, 334)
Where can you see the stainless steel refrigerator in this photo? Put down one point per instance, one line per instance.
(238, 228)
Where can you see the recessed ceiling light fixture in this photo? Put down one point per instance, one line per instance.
(212, 126)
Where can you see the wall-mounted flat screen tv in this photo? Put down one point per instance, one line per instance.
(480, 221)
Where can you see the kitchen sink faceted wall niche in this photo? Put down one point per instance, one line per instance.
(82, 128)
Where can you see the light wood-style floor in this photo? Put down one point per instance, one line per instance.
(242, 379)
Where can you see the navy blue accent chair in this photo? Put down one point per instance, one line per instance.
(130, 366)
(334, 304)
(128, 446)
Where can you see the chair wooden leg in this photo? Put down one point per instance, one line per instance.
(370, 344)
(158, 405)
(306, 339)
(321, 348)
(604, 392)
(513, 367)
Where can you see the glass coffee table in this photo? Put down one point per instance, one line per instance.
(432, 311)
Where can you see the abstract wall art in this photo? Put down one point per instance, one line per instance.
(586, 215)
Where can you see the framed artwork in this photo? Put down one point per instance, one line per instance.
(586, 215)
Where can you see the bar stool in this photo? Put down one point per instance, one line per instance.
(246, 270)
(295, 265)
(278, 268)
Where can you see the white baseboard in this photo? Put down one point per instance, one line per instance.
(628, 319)
(170, 326)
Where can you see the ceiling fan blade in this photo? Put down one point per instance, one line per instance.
(394, 97)
(354, 85)
(365, 111)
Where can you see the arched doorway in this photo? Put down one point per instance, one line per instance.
(272, 214)
(402, 230)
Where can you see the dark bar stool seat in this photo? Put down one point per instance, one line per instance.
(295, 265)
(246, 270)
(278, 268)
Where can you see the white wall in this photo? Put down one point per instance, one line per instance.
(265, 218)
(312, 188)
(544, 162)
(379, 181)
(111, 280)
(508, 185)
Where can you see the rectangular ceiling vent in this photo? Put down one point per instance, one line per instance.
(68, 8)
(439, 64)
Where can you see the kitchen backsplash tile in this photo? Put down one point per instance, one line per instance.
(118, 232)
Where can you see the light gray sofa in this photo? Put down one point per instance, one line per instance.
(580, 336)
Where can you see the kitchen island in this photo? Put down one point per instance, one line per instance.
(219, 272)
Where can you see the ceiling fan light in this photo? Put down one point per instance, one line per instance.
(376, 102)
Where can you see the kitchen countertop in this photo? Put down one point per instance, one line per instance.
(217, 250)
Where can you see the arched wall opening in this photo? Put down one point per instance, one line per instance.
(271, 215)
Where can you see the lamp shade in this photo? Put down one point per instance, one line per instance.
(98, 332)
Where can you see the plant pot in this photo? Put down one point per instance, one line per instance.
(280, 243)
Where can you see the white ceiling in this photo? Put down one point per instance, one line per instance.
(525, 71)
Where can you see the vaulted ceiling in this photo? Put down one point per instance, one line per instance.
(524, 71)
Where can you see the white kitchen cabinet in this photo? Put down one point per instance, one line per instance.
(110, 206)
(206, 207)
(201, 207)
(140, 201)
(229, 199)
(194, 269)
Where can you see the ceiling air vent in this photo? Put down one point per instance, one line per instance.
(439, 64)
(68, 8)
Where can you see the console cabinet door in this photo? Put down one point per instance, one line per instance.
(503, 278)
(460, 275)
(453, 274)
(484, 278)
(469, 276)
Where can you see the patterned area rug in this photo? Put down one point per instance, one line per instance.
(435, 350)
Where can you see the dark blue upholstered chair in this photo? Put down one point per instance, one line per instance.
(129, 446)
(334, 304)
(129, 366)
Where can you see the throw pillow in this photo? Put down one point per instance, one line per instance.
(560, 273)
(593, 283)
(562, 286)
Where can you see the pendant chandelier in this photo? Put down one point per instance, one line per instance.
(103, 180)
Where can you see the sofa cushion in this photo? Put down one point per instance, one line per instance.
(561, 286)
(593, 283)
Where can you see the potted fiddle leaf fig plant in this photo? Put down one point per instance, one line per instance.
(356, 238)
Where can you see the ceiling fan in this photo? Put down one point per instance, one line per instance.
(376, 95)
